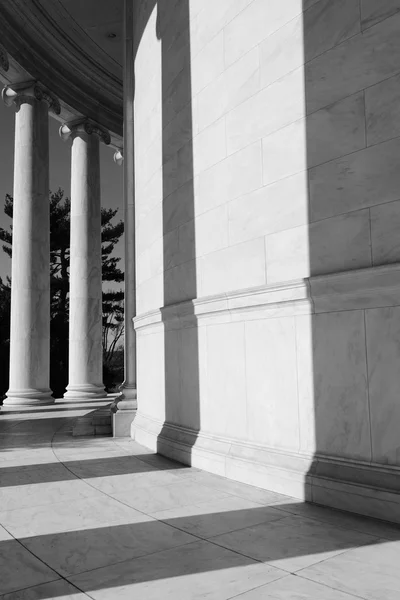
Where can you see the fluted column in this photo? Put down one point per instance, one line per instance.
(30, 267)
(124, 408)
(85, 294)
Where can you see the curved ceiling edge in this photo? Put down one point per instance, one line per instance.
(38, 49)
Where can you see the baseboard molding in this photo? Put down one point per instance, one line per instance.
(363, 488)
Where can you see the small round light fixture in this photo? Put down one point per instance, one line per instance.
(112, 35)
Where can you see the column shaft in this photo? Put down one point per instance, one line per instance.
(124, 408)
(85, 296)
(30, 271)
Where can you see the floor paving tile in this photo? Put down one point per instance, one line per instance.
(117, 484)
(195, 571)
(20, 569)
(294, 588)
(72, 552)
(85, 513)
(153, 499)
(119, 521)
(208, 519)
(236, 488)
(60, 590)
(293, 543)
(339, 518)
(371, 572)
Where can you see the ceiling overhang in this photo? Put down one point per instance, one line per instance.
(55, 43)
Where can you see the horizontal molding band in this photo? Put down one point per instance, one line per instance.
(370, 489)
(349, 290)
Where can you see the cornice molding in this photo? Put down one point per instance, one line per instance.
(29, 92)
(4, 62)
(85, 126)
(90, 86)
(374, 287)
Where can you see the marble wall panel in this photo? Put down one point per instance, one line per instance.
(337, 244)
(361, 179)
(235, 176)
(285, 152)
(180, 282)
(193, 375)
(178, 207)
(382, 105)
(148, 196)
(149, 229)
(176, 52)
(341, 417)
(305, 382)
(203, 28)
(178, 170)
(212, 230)
(373, 12)
(327, 24)
(150, 350)
(150, 294)
(361, 61)
(288, 254)
(172, 256)
(279, 104)
(177, 95)
(336, 130)
(271, 379)
(281, 205)
(256, 22)
(172, 377)
(224, 408)
(148, 162)
(282, 51)
(177, 133)
(235, 85)
(233, 268)
(208, 64)
(209, 147)
(385, 228)
(383, 335)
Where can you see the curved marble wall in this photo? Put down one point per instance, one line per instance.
(267, 205)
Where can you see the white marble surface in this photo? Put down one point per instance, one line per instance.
(193, 536)
(271, 383)
(359, 62)
(382, 110)
(276, 207)
(385, 222)
(235, 85)
(382, 329)
(251, 120)
(30, 296)
(328, 24)
(85, 377)
(373, 12)
(340, 385)
(365, 178)
(255, 23)
(235, 267)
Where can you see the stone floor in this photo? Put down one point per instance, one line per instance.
(108, 519)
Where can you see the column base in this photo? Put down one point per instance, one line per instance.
(123, 411)
(84, 392)
(28, 397)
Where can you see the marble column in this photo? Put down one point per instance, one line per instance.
(124, 408)
(30, 267)
(85, 295)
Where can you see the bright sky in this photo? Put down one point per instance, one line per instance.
(60, 173)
